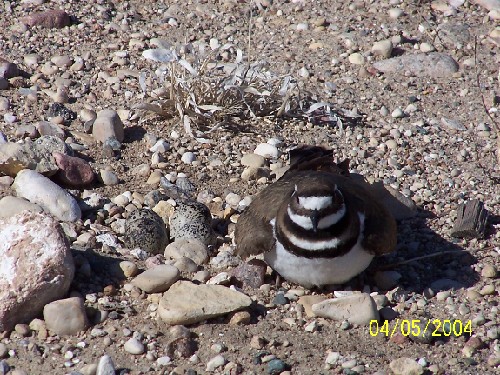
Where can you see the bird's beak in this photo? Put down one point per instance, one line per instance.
(314, 219)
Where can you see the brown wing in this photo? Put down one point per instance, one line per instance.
(254, 233)
(380, 232)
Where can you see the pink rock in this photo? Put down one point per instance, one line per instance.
(48, 128)
(50, 19)
(107, 125)
(251, 274)
(73, 170)
(36, 266)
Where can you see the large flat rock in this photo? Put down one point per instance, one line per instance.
(188, 303)
(435, 64)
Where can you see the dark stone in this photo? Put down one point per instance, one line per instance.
(182, 347)
(58, 109)
(427, 332)
(445, 284)
(113, 143)
(276, 366)
(280, 299)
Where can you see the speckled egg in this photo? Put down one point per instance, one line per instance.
(146, 229)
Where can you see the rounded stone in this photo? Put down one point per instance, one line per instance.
(10, 206)
(145, 229)
(42, 191)
(253, 160)
(397, 113)
(108, 177)
(134, 346)
(267, 150)
(187, 247)
(489, 271)
(157, 279)
(188, 157)
(129, 268)
(73, 171)
(356, 58)
(66, 316)
(382, 48)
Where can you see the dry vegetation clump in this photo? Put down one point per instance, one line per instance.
(206, 91)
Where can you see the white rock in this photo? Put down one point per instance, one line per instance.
(427, 47)
(405, 366)
(187, 247)
(160, 146)
(36, 266)
(360, 308)
(395, 13)
(164, 361)
(397, 113)
(157, 279)
(10, 206)
(222, 278)
(253, 160)
(356, 58)
(215, 363)
(106, 366)
(66, 316)
(382, 48)
(303, 72)
(134, 346)
(233, 199)
(188, 303)
(302, 26)
(42, 191)
(188, 157)
(332, 358)
(108, 177)
(267, 150)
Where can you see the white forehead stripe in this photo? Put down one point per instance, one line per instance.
(315, 203)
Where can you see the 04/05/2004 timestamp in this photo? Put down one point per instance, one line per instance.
(417, 327)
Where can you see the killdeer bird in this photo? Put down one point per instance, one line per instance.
(316, 226)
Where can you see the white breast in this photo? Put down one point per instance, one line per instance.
(310, 272)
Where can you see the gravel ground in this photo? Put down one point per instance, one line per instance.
(431, 136)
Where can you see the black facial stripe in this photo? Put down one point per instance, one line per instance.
(322, 213)
(346, 228)
(342, 249)
(335, 230)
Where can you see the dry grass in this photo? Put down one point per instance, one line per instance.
(206, 93)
